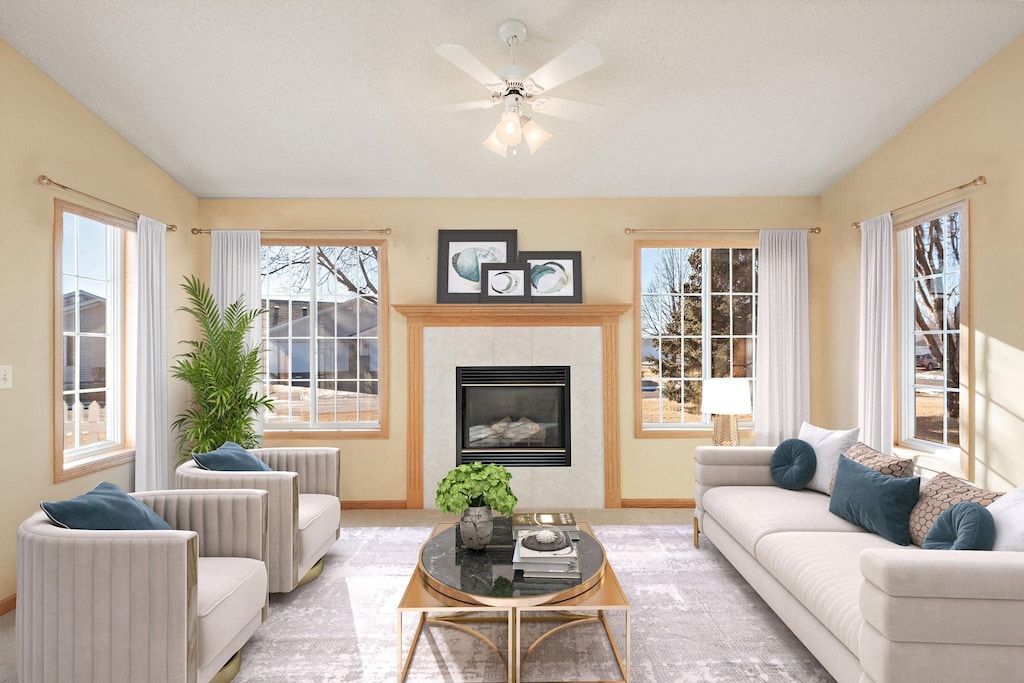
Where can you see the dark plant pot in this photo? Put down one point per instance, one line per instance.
(476, 527)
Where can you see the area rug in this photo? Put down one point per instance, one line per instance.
(694, 619)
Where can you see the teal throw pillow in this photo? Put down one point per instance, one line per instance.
(793, 464)
(106, 507)
(875, 501)
(231, 458)
(964, 526)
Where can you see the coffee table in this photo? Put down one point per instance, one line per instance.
(451, 584)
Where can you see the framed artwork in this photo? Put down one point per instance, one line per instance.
(461, 255)
(505, 283)
(556, 277)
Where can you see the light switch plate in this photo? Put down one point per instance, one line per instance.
(6, 381)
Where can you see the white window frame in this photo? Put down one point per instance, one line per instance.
(928, 455)
(312, 428)
(687, 429)
(116, 448)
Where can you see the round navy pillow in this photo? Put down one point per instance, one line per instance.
(964, 526)
(793, 464)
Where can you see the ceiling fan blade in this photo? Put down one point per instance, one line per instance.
(578, 59)
(465, 106)
(462, 58)
(563, 108)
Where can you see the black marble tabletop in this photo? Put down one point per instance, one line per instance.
(489, 573)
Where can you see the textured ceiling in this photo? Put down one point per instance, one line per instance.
(333, 98)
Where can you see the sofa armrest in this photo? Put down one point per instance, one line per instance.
(111, 581)
(941, 615)
(318, 468)
(731, 466)
(229, 522)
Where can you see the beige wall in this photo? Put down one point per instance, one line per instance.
(975, 130)
(374, 470)
(43, 130)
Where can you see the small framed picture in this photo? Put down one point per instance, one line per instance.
(556, 277)
(461, 255)
(505, 283)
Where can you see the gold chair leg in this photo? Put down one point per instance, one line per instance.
(696, 534)
(314, 571)
(229, 670)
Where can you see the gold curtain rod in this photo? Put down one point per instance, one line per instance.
(379, 231)
(632, 231)
(46, 180)
(980, 180)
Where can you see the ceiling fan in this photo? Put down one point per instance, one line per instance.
(516, 87)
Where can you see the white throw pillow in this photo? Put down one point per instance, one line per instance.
(828, 444)
(1008, 513)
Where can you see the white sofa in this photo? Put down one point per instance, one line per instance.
(869, 610)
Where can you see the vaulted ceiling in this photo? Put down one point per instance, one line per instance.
(329, 98)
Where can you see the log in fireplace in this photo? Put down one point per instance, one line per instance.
(517, 416)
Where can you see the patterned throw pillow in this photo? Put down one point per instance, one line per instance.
(941, 492)
(879, 462)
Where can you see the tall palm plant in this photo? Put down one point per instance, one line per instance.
(222, 372)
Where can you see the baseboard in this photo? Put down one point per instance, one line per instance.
(373, 505)
(7, 604)
(658, 503)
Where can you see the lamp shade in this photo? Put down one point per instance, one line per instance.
(726, 396)
(492, 143)
(534, 134)
(509, 131)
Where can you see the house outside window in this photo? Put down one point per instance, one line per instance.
(324, 336)
(931, 358)
(696, 315)
(92, 341)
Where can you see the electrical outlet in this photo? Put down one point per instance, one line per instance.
(6, 382)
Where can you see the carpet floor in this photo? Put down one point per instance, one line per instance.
(694, 619)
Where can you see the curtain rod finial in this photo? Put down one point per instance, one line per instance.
(629, 231)
(387, 231)
(855, 225)
(980, 180)
(195, 231)
(816, 230)
(44, 180)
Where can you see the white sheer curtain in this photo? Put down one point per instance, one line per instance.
(235, 272)
(151, 424)
(782, 400)
(875, 389)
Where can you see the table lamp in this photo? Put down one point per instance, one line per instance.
(724, 398)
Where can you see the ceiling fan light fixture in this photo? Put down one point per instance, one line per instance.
(494, 144)
(534, 134)
(509, 131)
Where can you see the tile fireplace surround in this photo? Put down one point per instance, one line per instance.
(582, 336)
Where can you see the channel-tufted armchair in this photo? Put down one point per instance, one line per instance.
(157, 606)
(304, 506)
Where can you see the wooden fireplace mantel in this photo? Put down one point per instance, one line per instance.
(605, 316)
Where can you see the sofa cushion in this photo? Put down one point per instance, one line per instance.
(793, 464)
(964, 526)
(822, 571)
(749, 513)
(939, 493)
(1008, 515)
(879, 462)
(230, 591)
(319, 518)
(230, 458)
(873, 500)
(105, 507)
(827, 444)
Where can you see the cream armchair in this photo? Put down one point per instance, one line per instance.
(304, 507)
(157, 606)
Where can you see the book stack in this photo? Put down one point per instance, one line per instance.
(525, 521)
(561, 564)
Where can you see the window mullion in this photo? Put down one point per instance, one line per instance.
(314, 355)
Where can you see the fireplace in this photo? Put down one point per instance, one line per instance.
(517, 416)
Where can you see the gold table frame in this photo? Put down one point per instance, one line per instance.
(601, 594)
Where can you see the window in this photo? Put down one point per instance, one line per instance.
(91, 343)
(931, 357)
(696, 316)
(324, 336)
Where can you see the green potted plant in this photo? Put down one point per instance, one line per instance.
(221, 370)
(474, 489)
